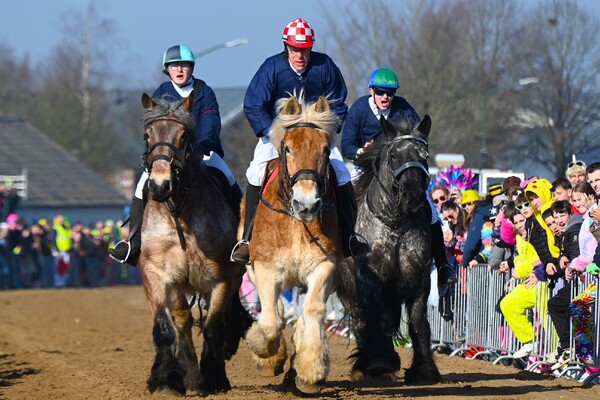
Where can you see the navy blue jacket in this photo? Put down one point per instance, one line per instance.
(206, 111)
(276, 79)
(362, 125)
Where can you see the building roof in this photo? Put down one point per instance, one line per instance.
(55, 177)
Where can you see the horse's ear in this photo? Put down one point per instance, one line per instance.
(425, 125)
(322, 105)
(291, 107)
(386, 128)
(188, 102)
(148, 102)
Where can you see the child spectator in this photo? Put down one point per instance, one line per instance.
(537, 193)
(522, 298)
(569, 225)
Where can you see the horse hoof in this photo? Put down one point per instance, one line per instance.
(379, 368)
(305, 387)
(357, 375)
(166, 391)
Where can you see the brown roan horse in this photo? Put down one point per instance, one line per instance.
(187, 233)
(296, 243)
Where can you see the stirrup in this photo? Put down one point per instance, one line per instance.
(235, 248)
(124, 260)
(363, 241)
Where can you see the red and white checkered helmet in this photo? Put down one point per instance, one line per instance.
(298, 33)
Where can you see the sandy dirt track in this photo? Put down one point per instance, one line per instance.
(95, 344)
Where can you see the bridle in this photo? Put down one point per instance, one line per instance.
(180, 155)
(177, 161)
(421, 166)
(285, 192)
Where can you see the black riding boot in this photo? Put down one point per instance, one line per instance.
(128, 250)
(445, 273)
(346, 213)
(241, 251)
(234, 197)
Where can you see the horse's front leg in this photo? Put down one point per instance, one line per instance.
(375, 355)
(312, 355)
(212, 362)
(265, 336)
(423, 370)
(185, 351)
(166, 375)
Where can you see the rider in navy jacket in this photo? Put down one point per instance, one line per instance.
(178, 64)
(362, 125)
(205, 109)
(305, 73)
(276, 79)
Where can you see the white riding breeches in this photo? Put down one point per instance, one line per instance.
(265, 152)
(212, 160)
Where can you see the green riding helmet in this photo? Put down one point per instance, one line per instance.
(384, 78)
(178, 53)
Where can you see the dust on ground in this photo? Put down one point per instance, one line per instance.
(96, 344)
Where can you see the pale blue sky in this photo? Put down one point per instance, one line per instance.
(145, 28)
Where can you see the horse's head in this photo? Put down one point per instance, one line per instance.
(396, 166)
(302, 134)
(168, 127)
(407, 161)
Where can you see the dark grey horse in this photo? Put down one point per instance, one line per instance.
(394, 216)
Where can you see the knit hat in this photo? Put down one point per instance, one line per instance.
(494, 190)
(510, 182)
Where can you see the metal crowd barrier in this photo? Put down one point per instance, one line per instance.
(578, 367)
(467, 319)
(545, 339)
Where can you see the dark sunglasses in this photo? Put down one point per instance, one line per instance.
(522, 206)
(468, 204)
(439, 199)
(381, 92)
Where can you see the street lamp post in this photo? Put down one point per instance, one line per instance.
(231, 43)
(532, 80)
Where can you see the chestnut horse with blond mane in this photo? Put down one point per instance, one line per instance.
(187, 232)
(296, 241)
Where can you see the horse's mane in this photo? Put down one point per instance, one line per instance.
(327, 120)
(164, 108)
(372, 156)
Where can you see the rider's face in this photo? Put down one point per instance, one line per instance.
(383, 98)
(299, 58)
(180, 72)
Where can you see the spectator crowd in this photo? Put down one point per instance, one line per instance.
(537, 232)
(59, 253)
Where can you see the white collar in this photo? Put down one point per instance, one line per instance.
(185, 90)
(378, 111)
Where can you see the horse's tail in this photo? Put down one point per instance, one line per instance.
(240, 322)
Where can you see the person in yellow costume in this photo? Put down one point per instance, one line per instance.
(515, 304)
(540, 240)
